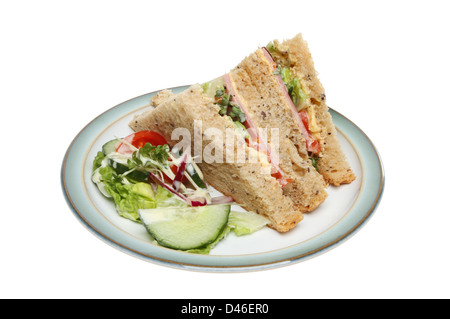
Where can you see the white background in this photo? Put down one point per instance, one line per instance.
(384, 65)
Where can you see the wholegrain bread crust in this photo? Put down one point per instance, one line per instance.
(160, 97)
(245, 182)
(332, 164)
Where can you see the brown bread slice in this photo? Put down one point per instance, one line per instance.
(245, 182)
(332, 163)
(259, 90)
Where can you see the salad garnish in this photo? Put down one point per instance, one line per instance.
(144, 177)
(145, 156)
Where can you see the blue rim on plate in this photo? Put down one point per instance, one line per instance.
(73, 180)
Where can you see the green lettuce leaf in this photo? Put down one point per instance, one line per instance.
(132, 197)
(128, 198)
(98, 160)
(294, 88)
(244, 223)
(164, 198)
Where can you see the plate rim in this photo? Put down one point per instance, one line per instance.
(214, 267)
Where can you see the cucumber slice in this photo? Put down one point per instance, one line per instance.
(135, 175)
(110, 146)
(195, 176)
(185, 228)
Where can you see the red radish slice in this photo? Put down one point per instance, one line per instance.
(196, 201)
(180, 172)
(167, 186)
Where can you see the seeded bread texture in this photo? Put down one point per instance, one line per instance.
(160, 97)
(259, 91)
(246, 182)
(333, 164)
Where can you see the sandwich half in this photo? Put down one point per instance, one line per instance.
(281, 88)
(307, 188)
(255, 184)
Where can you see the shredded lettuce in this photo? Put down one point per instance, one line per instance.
(293, 85)
(242, 129)
(294, 88)
(271, 47)
(129, 197)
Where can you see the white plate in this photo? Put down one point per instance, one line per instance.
(346, 209)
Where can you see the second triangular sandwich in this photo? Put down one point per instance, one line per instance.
(281, 87)
(307, 188)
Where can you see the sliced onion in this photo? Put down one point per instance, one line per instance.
(222, 200)
(167, 186)
(194, 201)
(126, 146)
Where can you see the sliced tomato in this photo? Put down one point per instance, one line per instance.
(282, 180)
(314, 146)
(174, 170)
(139, 139)
(305, 120)
(312, 143)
